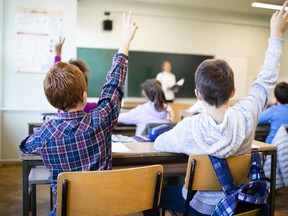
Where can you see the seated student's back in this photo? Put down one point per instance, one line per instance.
(277, 114)
(155, 110)
(221, 130)
(78, 141)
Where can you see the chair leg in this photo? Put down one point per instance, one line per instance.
(51, 199)
(33, 200)
(163, 212)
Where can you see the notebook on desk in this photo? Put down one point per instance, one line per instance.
(119, 147)
(120, 138)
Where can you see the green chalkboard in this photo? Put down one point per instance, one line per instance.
(142, 66)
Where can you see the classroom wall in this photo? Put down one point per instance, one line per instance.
(23, 98)
(161, 29)
(1, 69)
(164, 28)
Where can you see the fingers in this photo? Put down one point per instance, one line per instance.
(129, 17)
(63, 41)
(283, 11)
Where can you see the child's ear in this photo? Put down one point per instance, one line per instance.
(233, 92)
(198, 95)
(84, 98)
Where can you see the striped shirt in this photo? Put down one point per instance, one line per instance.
(80, 141)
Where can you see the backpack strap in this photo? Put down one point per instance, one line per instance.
(224, 175)
(256, 171)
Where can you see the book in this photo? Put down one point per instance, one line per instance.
(178, 84)
(120, 138)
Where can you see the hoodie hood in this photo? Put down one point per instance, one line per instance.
(212, 137)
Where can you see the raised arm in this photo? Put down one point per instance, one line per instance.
(110, 100)
(258, 96)
(58, 50)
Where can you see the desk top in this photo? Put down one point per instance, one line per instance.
(145, 149)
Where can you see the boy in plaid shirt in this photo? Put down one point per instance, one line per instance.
(79, 141)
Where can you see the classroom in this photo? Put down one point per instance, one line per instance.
(165, 26)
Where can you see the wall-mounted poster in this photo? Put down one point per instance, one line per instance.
(37, 31)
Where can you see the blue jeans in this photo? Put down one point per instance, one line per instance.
(171, 198)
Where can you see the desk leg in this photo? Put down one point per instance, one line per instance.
(25, 173)
(273, 182)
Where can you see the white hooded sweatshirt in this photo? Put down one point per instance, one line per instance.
(200, 134)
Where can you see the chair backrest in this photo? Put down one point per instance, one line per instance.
(200, 174)
(111, 192)
(205, 178)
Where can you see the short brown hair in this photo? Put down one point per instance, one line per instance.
(154, 92)
(64, 85)
(214, 79)
(281, 92)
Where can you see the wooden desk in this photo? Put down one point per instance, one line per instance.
(143, 154)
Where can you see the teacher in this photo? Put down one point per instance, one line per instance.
(167, 79)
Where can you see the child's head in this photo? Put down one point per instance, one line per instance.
(281, 92)
(152, 89)
(65, 86)
(81, 65)
(166, 66)
(214, 80)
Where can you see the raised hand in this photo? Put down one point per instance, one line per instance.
(58, 46)
(129, 30)
(279, 22)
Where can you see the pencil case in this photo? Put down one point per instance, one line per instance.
(156, 131)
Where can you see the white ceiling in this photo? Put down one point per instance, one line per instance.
(239, 6)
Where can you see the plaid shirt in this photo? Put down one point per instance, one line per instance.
(79, 141)
(255, 192)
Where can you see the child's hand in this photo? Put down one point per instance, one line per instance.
(58, 46)
(129, 29)
(279, 22)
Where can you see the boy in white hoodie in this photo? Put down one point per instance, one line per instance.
(221, 130)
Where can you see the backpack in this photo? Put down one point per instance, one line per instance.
(246, 197)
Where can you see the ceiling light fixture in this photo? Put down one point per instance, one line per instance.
(266, 6)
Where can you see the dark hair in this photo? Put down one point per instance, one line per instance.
(154, 92)
(214, 79)
(64, 85)
(281, 92)
(81, 65)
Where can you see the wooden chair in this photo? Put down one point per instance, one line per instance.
(111, 192)
(200, 175)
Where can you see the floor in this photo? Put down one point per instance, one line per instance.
(11, 194)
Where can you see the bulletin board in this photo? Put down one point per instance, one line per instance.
(37, 31)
